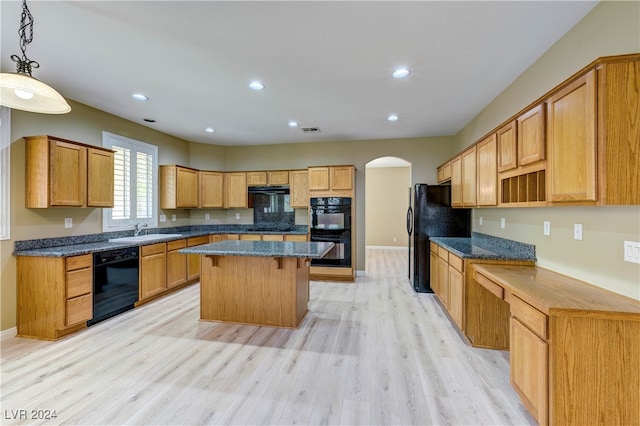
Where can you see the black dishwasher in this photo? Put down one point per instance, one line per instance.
(115, 282)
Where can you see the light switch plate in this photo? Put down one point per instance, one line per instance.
(480, 220)
(237, 216)
(68, 222)
(577, 231)
(173, 218)
(503, 223)
(163, 218)
(547, 227)
(207, 216)
(632, 251)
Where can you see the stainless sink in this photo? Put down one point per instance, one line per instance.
(144, 238)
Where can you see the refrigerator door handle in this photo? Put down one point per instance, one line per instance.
(410, 220)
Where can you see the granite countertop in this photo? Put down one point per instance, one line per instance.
(312, 250)
(482, 246)
(94, 243)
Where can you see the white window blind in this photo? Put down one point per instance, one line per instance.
(135, 182)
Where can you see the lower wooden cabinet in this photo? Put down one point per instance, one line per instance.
(176, 263)
(456, 295)
(193, 260)
(296, 237)
(153, 270)
(55, 295)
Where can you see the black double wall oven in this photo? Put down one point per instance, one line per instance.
(330, 221)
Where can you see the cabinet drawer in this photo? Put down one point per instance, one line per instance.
(250, 237)
(443, 254)
(196, 241)
(295, 237)
(79, 309)
(176, 245)
(78, 262)
(232, 237)
(494, 288)
(529, 316)
(272, 237)
(456, 262)
(152, 249)
(79, 282)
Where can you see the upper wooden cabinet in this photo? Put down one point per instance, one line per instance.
(456, 181)
(507, 147)
(531, 136)
(178, 187)
(341, 178)
(486, 152)
(63, 173)
(469, 177)
(211, 189)
(299, 190)
(278, 177)
(331, 181)
(444, 172)
(235, 190)
(256, 178)
(318, 178)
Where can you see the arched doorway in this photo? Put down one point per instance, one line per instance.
(387, 183)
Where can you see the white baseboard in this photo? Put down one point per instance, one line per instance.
(388, 247)
(8, 334)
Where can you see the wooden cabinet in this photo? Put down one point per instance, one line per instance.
(469, 177)
(443, 280)
(153, 270)
(211, 189)
(296, 237)
(59, 173)
(529, 361)
(256, 178)
(456, 181)
(531, 136)
(444, 172)
(341, 178)
(487, 189)
(272, 237)
(179, 187)
(507, 147)
(434, 283)
(55, 295)
(278, 177)
(250, 237)
(456, 290)
(176, 263)
(299, 189)
(235, 190)
(331, 181)
(193, 260)
(572, 141)
(318, 178)
(100, 165)
(447, 281)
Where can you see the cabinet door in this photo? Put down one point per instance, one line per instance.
(487, 172)
(235, 190)
(433, 272)
(187, 188)
(456, 182)
(100, 180)
(299, 196)
(280, 177)
(571, 133)
(256, 178)
(318, 178)
(341, 178)
(529, 369)
(176, 263)
(531, 147)
(443, 281)
(506, 139)
(469, 179)
(444, 172)
(67, 174)
(153, 274)
(211, 189)
(193, 260)
(456, 296)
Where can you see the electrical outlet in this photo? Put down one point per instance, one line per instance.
(68, 222)
(395, 239)
(163, 218)
(480, 221)
(503, 223)
(207, 216)
(173, 218)
(547, 227)
(632, 251)
(577, 231)
(237, 216)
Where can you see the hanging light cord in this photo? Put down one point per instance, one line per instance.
(24, 64)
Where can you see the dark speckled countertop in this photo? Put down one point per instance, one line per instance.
(262, 249)
(482, 246)
(93, 243)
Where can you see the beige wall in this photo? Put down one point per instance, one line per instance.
(611, 28)
(386, 202)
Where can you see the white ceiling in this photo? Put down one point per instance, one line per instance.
(325, 64)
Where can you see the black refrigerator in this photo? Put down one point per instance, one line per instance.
(430, 215)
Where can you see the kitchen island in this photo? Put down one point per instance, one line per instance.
(256, 282)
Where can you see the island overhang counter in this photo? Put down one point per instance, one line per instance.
(256, 282)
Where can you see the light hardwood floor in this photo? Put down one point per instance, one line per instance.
(373, 352)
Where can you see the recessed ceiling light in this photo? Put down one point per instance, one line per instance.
(293, 124)
(392, 117)
(256, 85)
(139, 97)
(209, 130)
(401, 73)
(149, 120)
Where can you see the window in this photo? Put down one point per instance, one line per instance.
(135, 184)
(5, 158)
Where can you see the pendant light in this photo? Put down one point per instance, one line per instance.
(20, 90)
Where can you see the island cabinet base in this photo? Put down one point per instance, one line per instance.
(254, 290)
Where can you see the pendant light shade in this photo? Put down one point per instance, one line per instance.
(20, 90)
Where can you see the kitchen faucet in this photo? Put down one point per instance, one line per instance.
(139, 227)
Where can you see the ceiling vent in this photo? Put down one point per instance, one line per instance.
(310, 129)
